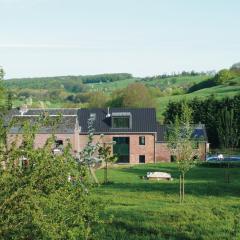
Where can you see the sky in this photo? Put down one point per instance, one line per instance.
(142, 37)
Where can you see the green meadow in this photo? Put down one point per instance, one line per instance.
(149, 210)
(219, 92)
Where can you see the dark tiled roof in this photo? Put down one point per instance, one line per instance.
(143, 119)
(199, 132)
(36, 112)
(66, 125)
(9, 115)
(56, 111)
(161, 132)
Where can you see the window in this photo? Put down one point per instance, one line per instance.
(58, 143)
(141, 158)
(58, 147)
(173, 158)
(121, 149)
(121, 122)
(93, 116)
(141, 140)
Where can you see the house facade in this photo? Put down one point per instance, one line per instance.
(134, 134)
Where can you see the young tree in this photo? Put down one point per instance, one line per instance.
(43, 195)
(183, 146)
(107, 157)
(89, 155)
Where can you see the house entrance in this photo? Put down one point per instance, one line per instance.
(121, 149)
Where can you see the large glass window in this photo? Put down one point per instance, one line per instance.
(121, 122)
(121, 149)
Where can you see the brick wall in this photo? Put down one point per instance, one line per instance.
(151, 149)
(163, 154)
(41, 139)
(135, 148)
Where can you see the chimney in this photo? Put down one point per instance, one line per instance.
(108, 113)
(23, 109)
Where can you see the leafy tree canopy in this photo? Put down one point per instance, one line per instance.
(44, 195)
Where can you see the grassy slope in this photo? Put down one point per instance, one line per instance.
(178, 81)
(111, 86)
(219, 91)
(148, 210)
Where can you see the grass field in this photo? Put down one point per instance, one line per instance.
(178, 81)
(111, 86)
(219, 92)
(145, 209)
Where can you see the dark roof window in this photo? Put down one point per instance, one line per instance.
(121, 114)
(121, 122)
(93, 116)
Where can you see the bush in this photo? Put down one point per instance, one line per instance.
(224, 76)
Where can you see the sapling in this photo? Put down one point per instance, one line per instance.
(182, 145)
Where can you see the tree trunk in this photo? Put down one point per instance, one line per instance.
(183, 187)
(180, 188)
(228, 174)
(106, 172)
(93, 175)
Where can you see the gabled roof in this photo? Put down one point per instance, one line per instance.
(51, 111)
(66, 125)
(142, 120)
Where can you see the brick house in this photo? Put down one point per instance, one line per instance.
(138, 137)
(66, 130)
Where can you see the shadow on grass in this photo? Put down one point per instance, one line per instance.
(195, 189)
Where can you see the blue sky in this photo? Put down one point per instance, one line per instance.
(142, 37)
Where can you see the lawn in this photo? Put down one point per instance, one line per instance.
(145, 209)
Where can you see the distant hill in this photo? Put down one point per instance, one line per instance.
(67, 82)
(73, 91)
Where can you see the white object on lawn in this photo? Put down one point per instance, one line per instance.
(220, 157)
(159, 176)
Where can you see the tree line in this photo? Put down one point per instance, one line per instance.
(181, 74)
(214, 113)
(69, 83)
